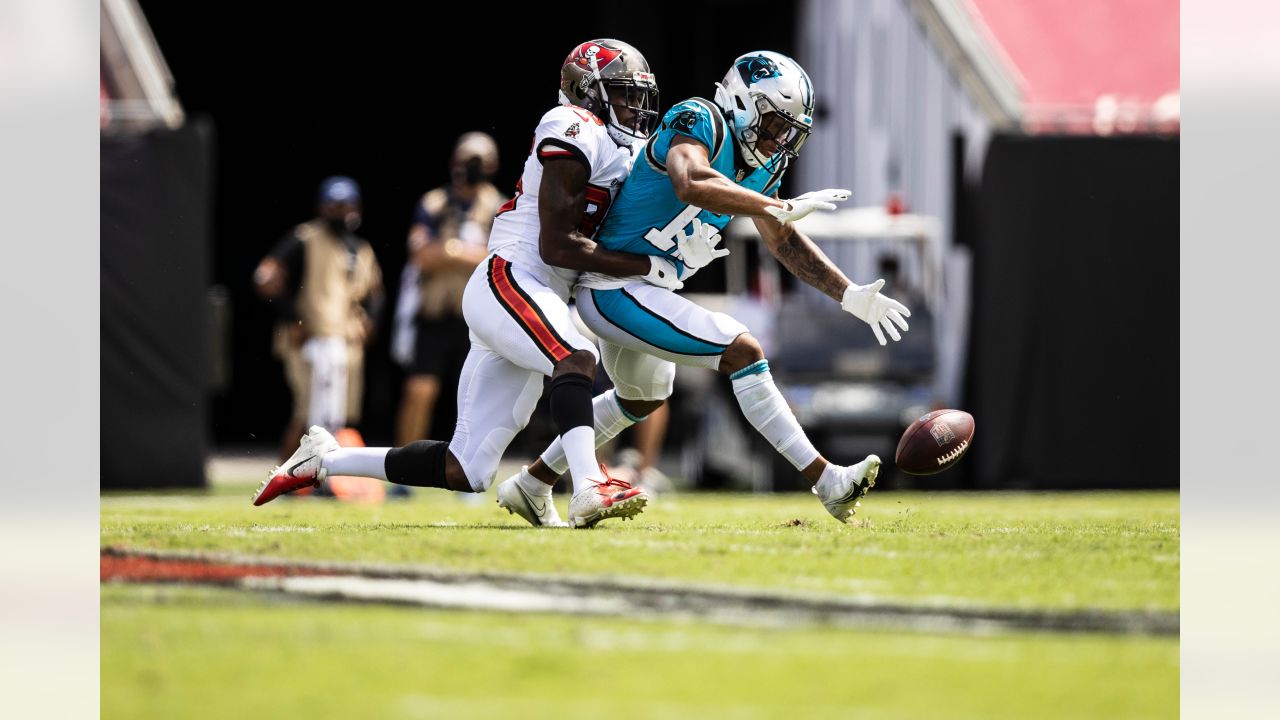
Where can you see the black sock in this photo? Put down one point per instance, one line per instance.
(570, 400)
(420, 464)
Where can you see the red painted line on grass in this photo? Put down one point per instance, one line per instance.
(136, 568)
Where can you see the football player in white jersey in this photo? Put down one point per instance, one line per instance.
(516, 308)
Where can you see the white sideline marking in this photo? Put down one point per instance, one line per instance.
(429, 593)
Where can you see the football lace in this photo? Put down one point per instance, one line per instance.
(954, 453)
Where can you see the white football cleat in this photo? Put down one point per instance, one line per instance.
(302, 469)
(840, 493)
(608, 499)
(539, 510)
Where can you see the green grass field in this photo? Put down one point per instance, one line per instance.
(170, 651)
(1116, 550)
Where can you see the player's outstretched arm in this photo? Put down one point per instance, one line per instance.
(562, 198)
(697, 183)
(802, 258)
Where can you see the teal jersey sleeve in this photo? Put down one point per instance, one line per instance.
(696, 118)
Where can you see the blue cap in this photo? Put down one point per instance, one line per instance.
(339, 189)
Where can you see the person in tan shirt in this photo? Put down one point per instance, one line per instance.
(449, 237)
(325, 286)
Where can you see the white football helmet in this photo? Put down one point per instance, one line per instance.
(769, 97)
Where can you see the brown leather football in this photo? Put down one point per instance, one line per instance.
(934, 442)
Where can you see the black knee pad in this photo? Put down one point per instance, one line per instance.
(571, 402)
(420, 464)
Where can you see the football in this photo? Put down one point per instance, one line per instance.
(934, 442)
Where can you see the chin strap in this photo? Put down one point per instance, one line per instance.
(604, 96)
(743, 149)
(609, 120)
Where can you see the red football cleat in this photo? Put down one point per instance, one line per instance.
(302, 469)
(607, 499)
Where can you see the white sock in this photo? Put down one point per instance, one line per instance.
(767, 411)
(609, 420)
(531, 484)
(359, 461)
(827, 477)
(580, 447)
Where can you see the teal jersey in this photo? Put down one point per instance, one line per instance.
(647, 218)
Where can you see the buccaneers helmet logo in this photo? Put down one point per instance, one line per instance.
(755, 69)
(587, 52)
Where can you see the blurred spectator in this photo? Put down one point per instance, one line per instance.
(449, 238)
(325, 287)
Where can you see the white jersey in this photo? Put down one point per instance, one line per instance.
(565, 131)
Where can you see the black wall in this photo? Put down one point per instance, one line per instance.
(154, 272)
(300, 92)
(1074, 366)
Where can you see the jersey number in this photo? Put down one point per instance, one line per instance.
(510, 205)
(598, 202)
(665, 238)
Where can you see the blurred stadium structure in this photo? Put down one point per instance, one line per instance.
(136, 85)
(1018, 159)
(157, 368)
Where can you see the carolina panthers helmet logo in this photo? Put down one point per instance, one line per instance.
(685, 121)
(757, 68)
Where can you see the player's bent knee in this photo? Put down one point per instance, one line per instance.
(657, 386)
(743, 351)
(581, 362)
(663, 383)
(747, 343)
(457, 480)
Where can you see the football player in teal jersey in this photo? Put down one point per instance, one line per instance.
(708, 162)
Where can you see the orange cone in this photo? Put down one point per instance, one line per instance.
(348, 488)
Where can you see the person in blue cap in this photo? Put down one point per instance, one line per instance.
(324, 285)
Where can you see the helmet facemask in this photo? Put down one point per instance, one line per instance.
(637, 94)
(771, 123)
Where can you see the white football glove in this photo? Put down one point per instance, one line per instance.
(698, 248)
(867, 304)
(797, 208)
(662, 272)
